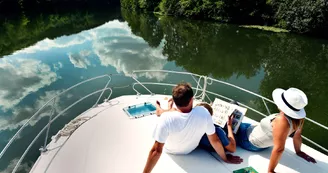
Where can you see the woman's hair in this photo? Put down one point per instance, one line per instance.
(297, 123)
(207, 106)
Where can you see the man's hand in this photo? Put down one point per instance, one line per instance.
(306, 157)
(233, 159)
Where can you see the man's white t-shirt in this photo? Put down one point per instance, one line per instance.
(181, 132)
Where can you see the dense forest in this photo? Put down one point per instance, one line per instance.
(300, 16)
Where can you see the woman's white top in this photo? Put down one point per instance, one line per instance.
(261, 135)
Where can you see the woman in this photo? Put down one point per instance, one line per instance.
(274, 129)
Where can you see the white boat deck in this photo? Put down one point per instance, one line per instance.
(112, 142)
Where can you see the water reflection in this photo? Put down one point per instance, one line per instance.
(20, 77)
(109, 45)
(24, 168)
(127, 52)
(30, 28)
(20, 114)
(80, 60)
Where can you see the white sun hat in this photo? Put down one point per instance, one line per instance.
(291, 102)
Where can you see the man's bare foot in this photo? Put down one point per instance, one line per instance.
(159, 110)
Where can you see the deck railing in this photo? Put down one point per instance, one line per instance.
(205, 92)
(47, 127)
(201, 93)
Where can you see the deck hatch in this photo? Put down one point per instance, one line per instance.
(140, 110)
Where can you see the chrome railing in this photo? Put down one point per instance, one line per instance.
(50, 117)
(201, 92)
(209, 81)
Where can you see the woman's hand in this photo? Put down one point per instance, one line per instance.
(230, 120)
(306, 157)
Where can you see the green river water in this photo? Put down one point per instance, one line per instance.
(41, 55)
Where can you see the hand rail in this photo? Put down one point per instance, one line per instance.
(168, 84)
(232, 85)
(45, 127)
(41, 108)
(227, 98)
(44, 147)
(225, 83)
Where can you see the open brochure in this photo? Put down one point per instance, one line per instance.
(222, 110)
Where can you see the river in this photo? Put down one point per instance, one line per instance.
(40, 56)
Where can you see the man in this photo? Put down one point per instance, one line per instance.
(181, 130)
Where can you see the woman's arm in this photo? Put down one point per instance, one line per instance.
(232, 142)
(297, 139)
(280, 133)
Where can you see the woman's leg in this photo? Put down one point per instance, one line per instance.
(242, 138)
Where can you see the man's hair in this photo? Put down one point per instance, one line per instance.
(182, 94)
(207, 106)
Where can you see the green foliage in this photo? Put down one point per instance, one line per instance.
(130, 4)
(301, 16)
(211, 48)
(140, 4)
(144, 25)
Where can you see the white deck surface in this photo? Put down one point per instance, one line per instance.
(111, 142)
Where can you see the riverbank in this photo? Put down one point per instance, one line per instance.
(299, 16)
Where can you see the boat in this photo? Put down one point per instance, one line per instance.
(109, 138)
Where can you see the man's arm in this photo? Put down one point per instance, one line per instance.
(217, 145)
(154, 155)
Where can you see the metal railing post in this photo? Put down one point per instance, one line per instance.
(101, 94)
(266, 106)
(141, 85)
(44, 147)
(204, 88)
